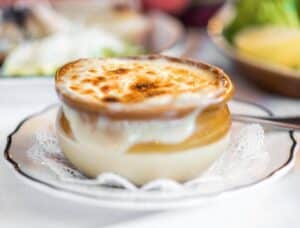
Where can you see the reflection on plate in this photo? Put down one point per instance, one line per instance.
(279, 144)
(269, 76)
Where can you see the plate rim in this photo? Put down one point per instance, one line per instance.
(181, 202)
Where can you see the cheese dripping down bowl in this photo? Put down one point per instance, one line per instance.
(143, 118)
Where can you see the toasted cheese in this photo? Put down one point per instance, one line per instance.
(134, 81)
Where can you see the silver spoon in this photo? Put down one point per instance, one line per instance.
(289, 123)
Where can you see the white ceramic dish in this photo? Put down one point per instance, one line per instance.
(280, 145)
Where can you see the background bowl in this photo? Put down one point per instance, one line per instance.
(268, 76)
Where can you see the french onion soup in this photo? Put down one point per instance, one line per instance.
(144, 117)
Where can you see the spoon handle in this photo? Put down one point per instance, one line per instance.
(289, 123)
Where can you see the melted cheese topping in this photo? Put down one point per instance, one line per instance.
(210, 127)
(119, 135)
(127, 81)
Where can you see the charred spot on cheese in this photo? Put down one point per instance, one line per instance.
(110, 99)
(143, 86)
(99, 79)
(180, 71)
(149, 88)
(150, 72)
(87, 91)
(92, 70)
(155, 93)
(120, 71)
(74, 87)
(86, 80)
(105, 88)
(74, 77)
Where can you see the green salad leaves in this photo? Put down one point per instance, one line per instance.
(261, 12)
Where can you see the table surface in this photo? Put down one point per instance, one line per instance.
(274, 205)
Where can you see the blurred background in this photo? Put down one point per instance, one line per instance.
(36, 37)
(260, 37)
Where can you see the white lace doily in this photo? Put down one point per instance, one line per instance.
(244, 157)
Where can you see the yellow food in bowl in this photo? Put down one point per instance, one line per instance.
(276, 45)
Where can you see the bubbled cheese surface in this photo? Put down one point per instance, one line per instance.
(130, 81)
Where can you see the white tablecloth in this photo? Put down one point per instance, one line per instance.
(275, 205)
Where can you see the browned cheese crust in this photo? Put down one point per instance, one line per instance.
(95, 85)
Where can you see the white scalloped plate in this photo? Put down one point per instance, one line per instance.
(280, 145)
